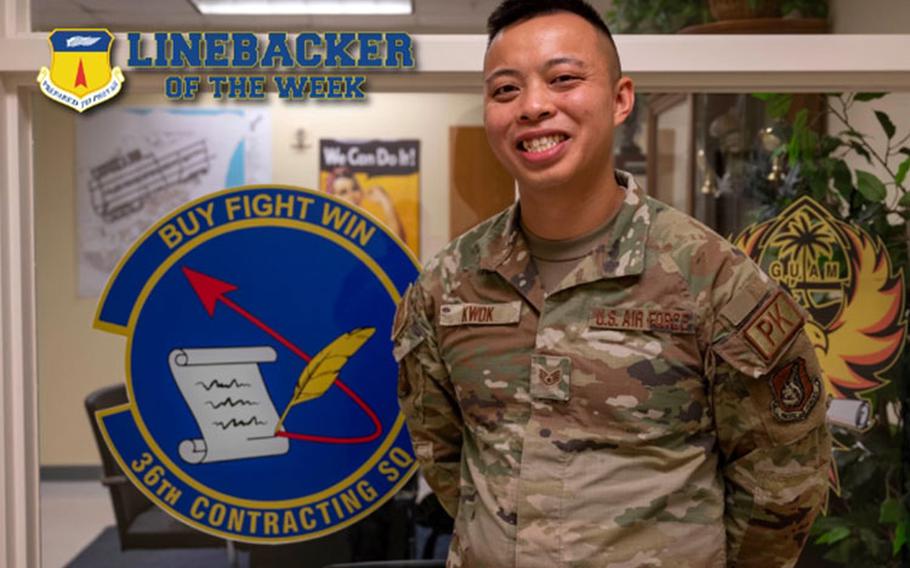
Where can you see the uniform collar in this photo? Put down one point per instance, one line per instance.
(621, 252)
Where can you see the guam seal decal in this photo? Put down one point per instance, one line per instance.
(262, 401)
(843, 277)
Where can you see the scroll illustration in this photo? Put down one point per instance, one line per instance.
(227, 396)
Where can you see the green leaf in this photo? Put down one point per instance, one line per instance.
(886, 123)
(902, 169)
(818, 184)
(900, 538)
(891, 511)
(869, 214)
(829, 144)
(870, 186)
(834, 535)
(874, 544)
(865, 97)
(859, 149)
(842, 552)
(798, 147)
(905, 200)
(800, 120)
(778, 104)
(843, 179)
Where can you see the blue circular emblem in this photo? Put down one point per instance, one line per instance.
(259, 364)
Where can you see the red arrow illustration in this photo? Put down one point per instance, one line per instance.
(212, 290)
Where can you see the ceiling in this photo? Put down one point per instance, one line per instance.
(430, 16)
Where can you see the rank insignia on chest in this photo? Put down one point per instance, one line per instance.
(550, 377)
(793, 392)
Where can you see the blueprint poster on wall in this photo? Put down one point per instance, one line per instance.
(136, 164)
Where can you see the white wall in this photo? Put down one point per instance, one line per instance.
(426, 117)
(873, 17)
(74, 359)
(862, 118)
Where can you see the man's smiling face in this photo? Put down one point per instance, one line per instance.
(549, 107)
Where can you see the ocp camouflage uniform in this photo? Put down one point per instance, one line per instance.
(661, 407)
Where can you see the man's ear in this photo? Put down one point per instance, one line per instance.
(623, 100)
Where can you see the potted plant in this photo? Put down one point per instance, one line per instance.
(655, 16)
(744, 9)
(671, 16)
(749, 9)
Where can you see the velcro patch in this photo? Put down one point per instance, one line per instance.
(793, 392)
(744, 301)
(772, 327)
(669, 321)
(480, 314)
(550, 377)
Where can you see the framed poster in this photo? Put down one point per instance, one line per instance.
(380, 176)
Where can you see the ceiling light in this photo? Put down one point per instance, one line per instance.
(304, 7)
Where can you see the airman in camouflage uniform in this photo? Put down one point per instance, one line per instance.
(660, 406)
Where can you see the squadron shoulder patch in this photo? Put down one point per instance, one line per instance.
(793, 392)
(773, 326)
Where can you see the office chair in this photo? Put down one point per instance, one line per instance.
(140, 524)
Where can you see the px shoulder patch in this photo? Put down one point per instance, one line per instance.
(773, 325)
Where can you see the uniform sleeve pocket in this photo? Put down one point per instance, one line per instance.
(782, 375)
(739, 354)
(787, 393)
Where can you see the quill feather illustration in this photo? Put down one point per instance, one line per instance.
(323, 369)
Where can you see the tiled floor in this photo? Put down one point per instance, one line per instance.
(72, 515)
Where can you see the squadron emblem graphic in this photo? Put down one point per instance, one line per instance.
(262, 387)
(843, 277)
(80, 75)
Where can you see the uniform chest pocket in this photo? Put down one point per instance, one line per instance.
(641, 372)
(485, 348)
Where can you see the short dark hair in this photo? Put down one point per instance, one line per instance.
(514, 11)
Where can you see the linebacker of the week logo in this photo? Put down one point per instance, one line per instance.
(262, 387)
(843, 277)
(80, 75)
